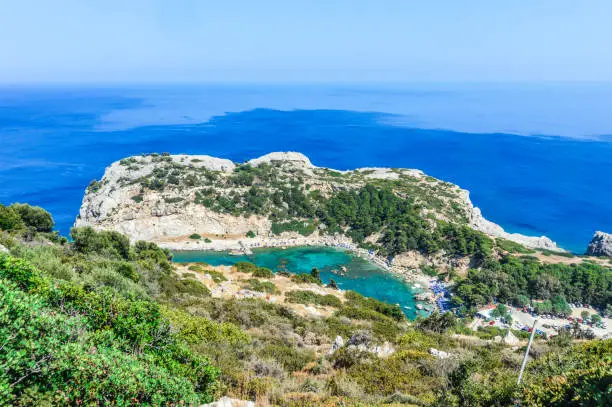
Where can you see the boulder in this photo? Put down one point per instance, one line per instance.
(3, 249)
(601, 245)
(228, 402)
(338, 343)
(510, 339)
(440, 354)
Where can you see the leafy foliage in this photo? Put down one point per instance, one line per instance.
(310, 297)
(66, 344)
(580, 375)
(512, 278)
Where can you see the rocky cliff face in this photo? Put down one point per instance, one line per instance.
(161, 197)
(601, 245)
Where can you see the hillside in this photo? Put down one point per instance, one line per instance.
(399, 213)
(101, 321)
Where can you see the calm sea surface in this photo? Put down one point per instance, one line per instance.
(536, 158)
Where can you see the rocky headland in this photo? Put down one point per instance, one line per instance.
(198, 202)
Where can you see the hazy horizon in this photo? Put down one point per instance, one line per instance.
(341, 41)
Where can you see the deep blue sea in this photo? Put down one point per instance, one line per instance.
(537, 158)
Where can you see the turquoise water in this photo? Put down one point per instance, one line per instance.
(362, 276)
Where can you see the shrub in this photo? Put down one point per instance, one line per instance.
(34, 216)
(250, 234)
(310, 297)
(292, 359)
(513, 247)
(246, 267)
(195, 329)
(217, 276)
(261, 286)
(263, 272)
(195, 236)
(579, 375)
(10, 220)
(97, 347)
(106, 243)
(94, 186)
(389, 310)
(172, 285)
(305, 279)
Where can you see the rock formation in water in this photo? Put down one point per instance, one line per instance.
(166, 198)
(601, 245)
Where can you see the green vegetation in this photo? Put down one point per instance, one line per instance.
(301, 227)
(394, 208)
(250, 234)
(217, 276)
(195, 236)
(310, 297)
(100, 321)
(67, 341)
(512, 247)
(263, 272)
(514, 279)
(312, 278)
(254, 284)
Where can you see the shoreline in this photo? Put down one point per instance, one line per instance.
(419, 280)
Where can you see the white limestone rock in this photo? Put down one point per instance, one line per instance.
(600, 245)
(229, 402)
(296, 159)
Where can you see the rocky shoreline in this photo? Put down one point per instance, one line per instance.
(245, 246)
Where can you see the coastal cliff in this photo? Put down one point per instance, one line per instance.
(600, 245)
(168, 198)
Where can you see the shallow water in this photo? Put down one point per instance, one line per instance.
(362, 276)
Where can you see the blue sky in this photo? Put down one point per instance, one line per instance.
(316, 40)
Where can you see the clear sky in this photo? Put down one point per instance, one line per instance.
(314, 40)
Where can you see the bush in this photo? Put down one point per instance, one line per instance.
(578, 376)
(389, 310)
(172, 285)
(310, 297)
(217, 276)
(95, 348)
(106, 243)
(10, 220)
(246, 267)
(261, 286)
(250, 234)
(291, 358)
(263, 272)
(305, 279)
(195, 236)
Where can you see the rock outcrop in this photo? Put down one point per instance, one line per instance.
(3, 249)
(161, 198)
(601, 245)
(229, 402)
(478, 222)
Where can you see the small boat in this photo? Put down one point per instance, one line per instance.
(419, 306)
